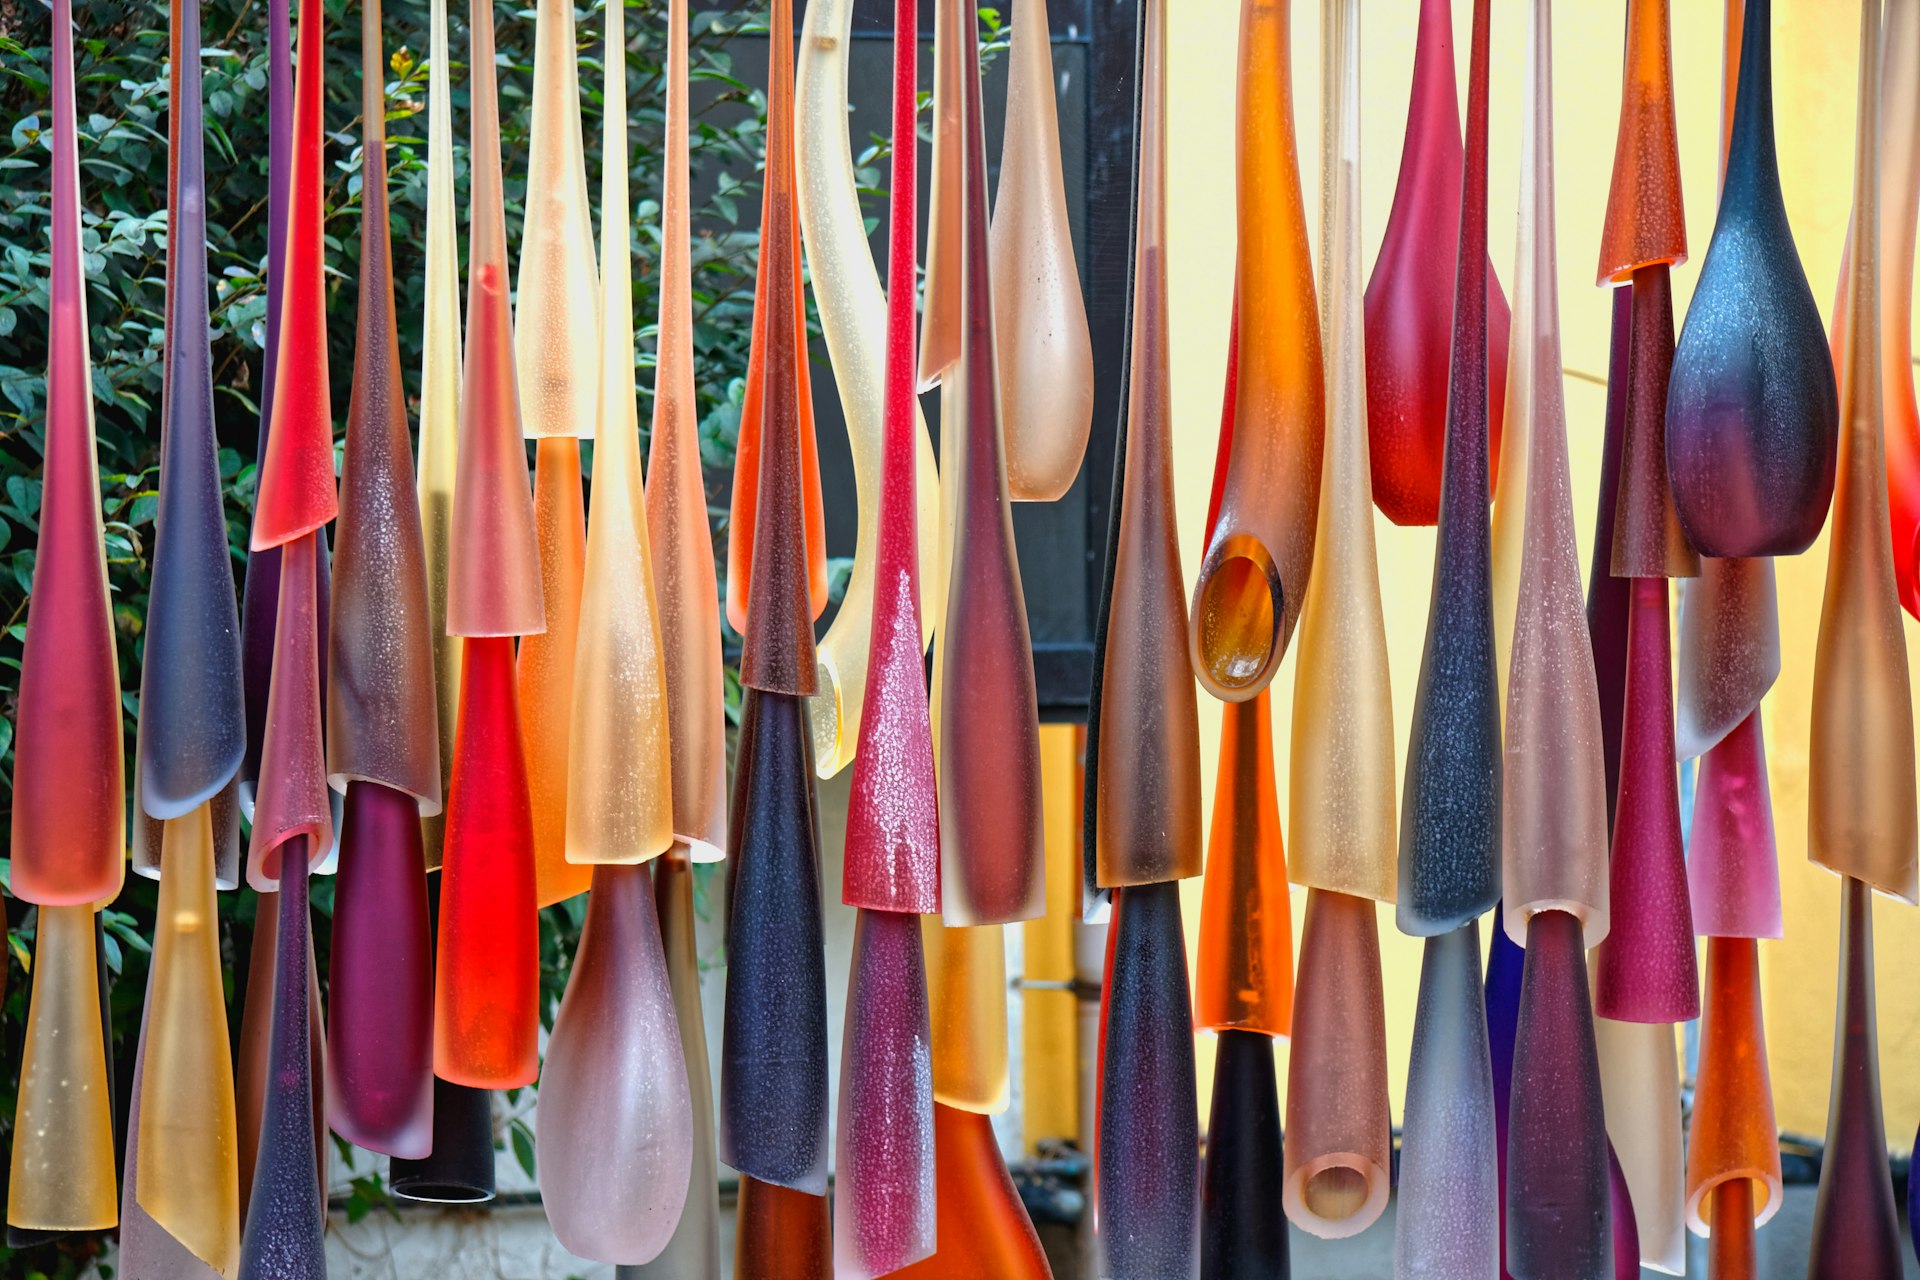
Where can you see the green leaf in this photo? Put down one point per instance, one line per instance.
(522, 1138)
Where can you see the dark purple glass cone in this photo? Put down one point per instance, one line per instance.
(1506, 965)
(1608, 596)
(1241, 1235)
(1626, 1231)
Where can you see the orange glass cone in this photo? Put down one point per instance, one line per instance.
(782, 1234)
(544, 675)
(967, 1013)
(1645, 222)
(982, 1227)
(1732, 1138)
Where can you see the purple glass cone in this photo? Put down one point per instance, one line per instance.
(1241, 1237)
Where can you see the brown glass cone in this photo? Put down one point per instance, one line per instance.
(1646, 222)
(1339, 1129)
(778, 653)
(1647, 539)
(1244, 979)
(1732, 1138)
(782, 1234)
(382, 724)
(1856, 1230)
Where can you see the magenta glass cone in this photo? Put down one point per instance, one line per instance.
(1647, 971)
(1733, 869)
(380, 1023)
(883, 1145)
(616, 1121)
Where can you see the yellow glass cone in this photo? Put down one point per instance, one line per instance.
(188, 1172)
(62, 1176)
(967, 1008)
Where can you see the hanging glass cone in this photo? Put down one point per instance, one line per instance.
(1860, 802)
(493, 580)
(781, 1234)
(291, 802)
(459, 1170)
(256, 1041)
(558, 299)
(62, 1175)
(1244, 973)
(693, 1253)
(1448, 1222)
(1645, 222)
(1626, 1233)
(1729, 650)
(380, 1034)
(884, 1138)
(1647, 971)
(1342, 760)
(1252, 580)
(615, 1122)
(1856, 1228)
(1732, 1138)
(983, 1229)
(855, 319)
(1733, 872)
(545, 670)
(1608, 596)
(1554, 797)
(967, 1003)
(941, 313)
(147, 1249)
(677, 529)
(439, 405)
(773, 1058)
(779, 391)
(1045, 353)
(287, 1210)
(1648, 541)
(1751, 412)
(1240, 1235)
(1410, 306)
(1450, 823)
(487, 968)
(1640, 1076)
(189, 1173)
(1557, 1178)
(620, 793)
(1148, 1149)
(1506, 964)
(1338, 1127)
(69, 801)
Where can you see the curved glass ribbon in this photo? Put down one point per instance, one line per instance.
(1640, 1079)
(439, 404)
(1448, 1222)
(1338, 1129)
(892, 860)
(1253, 577)
(993, 871)
(286, 1212)
(1450, 817)
(1558, 1182)
(193, 724)
(1856, 1229)
(544, 672)
(1148, 815)
(856, 321)
(1752, 415)
(184, 1099)
(676, 496)
(615, 1121)
(1240, 1234)
(61, 1177)
(487, 966)
(1733, 871)
(1341, 797)
(493, 580)
(1860, 777)
(773, 1057)
(620, 788)
(1608, 596)
(1732, 1136)
(983, 1229)
(884, 1137)
(1040, 321)
(1244, 970)
(1729, 650)
(967, 1004)
(69, 799)
(558, 299)
(1410, 304)
(1554, 781)
(1148, 1174)
(781, 1234)
(292, 799)
(1645, 222)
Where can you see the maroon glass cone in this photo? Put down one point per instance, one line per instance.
(380, 1033)
(1607, 596)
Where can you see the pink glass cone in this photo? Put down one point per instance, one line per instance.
(1729, 654)
(291, 800)
(380, 1028)
(883, 1149)
(616, 1121)
(1733, 870)
(1647, 970)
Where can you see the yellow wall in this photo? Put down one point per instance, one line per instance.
(1815, 48)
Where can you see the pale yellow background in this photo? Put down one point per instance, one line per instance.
(1815, 52)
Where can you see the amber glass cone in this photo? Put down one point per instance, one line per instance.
(1732, 1138)
(782, 1234)
(1645, 220)
(982, 1227)
(967, 1000)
